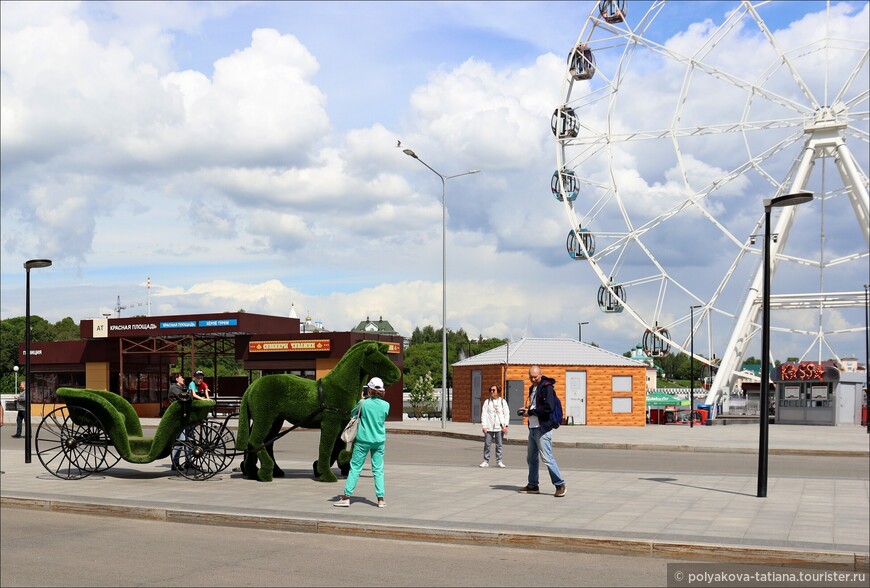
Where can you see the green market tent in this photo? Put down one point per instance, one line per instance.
(657, 399)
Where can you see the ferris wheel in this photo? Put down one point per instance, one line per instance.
(676, 129)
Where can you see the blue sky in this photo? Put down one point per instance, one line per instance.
(242, 155)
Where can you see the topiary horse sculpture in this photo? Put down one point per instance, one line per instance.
(323, 404)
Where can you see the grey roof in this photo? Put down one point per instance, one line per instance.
(543, 351)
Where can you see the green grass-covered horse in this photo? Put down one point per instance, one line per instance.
(326, 405)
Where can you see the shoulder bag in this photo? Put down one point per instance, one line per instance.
(349, 433)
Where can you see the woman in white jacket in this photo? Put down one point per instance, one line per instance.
(495, 418)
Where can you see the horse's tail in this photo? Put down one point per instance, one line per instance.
(243, 431)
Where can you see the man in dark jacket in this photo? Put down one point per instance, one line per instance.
(542, 399)
(21, 407)
(178, 393)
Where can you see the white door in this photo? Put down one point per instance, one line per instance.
(476, 379)
(575, 396)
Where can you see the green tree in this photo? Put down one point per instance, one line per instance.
(424, 352)
(12, 337)
(421, 359)
(66, 330)
(422, 397)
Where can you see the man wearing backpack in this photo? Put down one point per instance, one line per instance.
(540, 409)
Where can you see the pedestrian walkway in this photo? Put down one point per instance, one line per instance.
(742, 438)
(803, 521)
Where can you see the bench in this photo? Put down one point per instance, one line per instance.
(226, 405)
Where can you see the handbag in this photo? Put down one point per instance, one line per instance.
(349, 433)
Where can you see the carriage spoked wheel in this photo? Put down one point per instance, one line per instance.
(203, 450)
(71, 444)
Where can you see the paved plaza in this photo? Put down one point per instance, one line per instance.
(803, 521)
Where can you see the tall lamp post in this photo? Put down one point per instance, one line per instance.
(580, 330)
(778, 202)
(28, 265)
(692, 364)
(444, 179)
(867, 352)
(15, 371)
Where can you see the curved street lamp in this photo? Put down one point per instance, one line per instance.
(28, 265)
(778, 202)
(410, 153)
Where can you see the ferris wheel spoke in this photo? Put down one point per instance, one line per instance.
(783, 56)
(749, 88)
(856, 71)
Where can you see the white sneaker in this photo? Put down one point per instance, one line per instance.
(484, 464)
(382, 503)
(343, 501)
(501, 465)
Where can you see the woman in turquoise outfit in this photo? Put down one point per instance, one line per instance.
(371, 437)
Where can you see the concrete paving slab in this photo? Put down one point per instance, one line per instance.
(819, 523)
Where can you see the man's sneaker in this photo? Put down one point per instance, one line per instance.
(382, 503)
(560, 491)
(484, 464)
(343, 501)
(529, 490)
(501, 465)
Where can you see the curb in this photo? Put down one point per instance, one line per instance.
(707, 552)
(641, 446)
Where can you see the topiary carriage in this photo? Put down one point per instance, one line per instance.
(96, 429)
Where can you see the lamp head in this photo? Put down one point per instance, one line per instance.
(15, 368)
(36, 263)
(410, 153)
(800, 197)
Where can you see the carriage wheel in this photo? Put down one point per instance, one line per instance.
(202, 450)
(229, 441)
(71, 443)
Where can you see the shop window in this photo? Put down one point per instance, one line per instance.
(791, 396)
(44, 386)
(621, 384)
(621, 405)
(820, 395)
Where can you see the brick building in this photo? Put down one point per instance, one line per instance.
(596, 387)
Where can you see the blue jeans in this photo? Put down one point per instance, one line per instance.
(542, 444)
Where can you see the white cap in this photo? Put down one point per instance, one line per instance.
(376, 384)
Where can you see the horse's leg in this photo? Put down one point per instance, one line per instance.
(330, 429)
(337, 448)
(258, 435)
(340, 455)
(270, 448)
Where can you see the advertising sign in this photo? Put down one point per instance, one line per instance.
(283, 346)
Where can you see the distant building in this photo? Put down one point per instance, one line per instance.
(652, 372)
(135, 356)
(851, 364)
(378, 327)
(596, 387)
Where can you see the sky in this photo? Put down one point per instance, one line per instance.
(243, 155)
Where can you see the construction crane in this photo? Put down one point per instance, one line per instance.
(119, 308)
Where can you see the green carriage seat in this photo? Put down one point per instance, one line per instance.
(121, 423)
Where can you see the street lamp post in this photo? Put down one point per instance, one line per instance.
(444, 179)
(28, 265)
(692, 364)
(778, 202)
(15, 371)
(580, 330)
(867, 352)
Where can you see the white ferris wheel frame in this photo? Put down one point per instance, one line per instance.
(822, 129)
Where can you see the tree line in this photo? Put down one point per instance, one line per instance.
(12, 334)
(424, 352)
